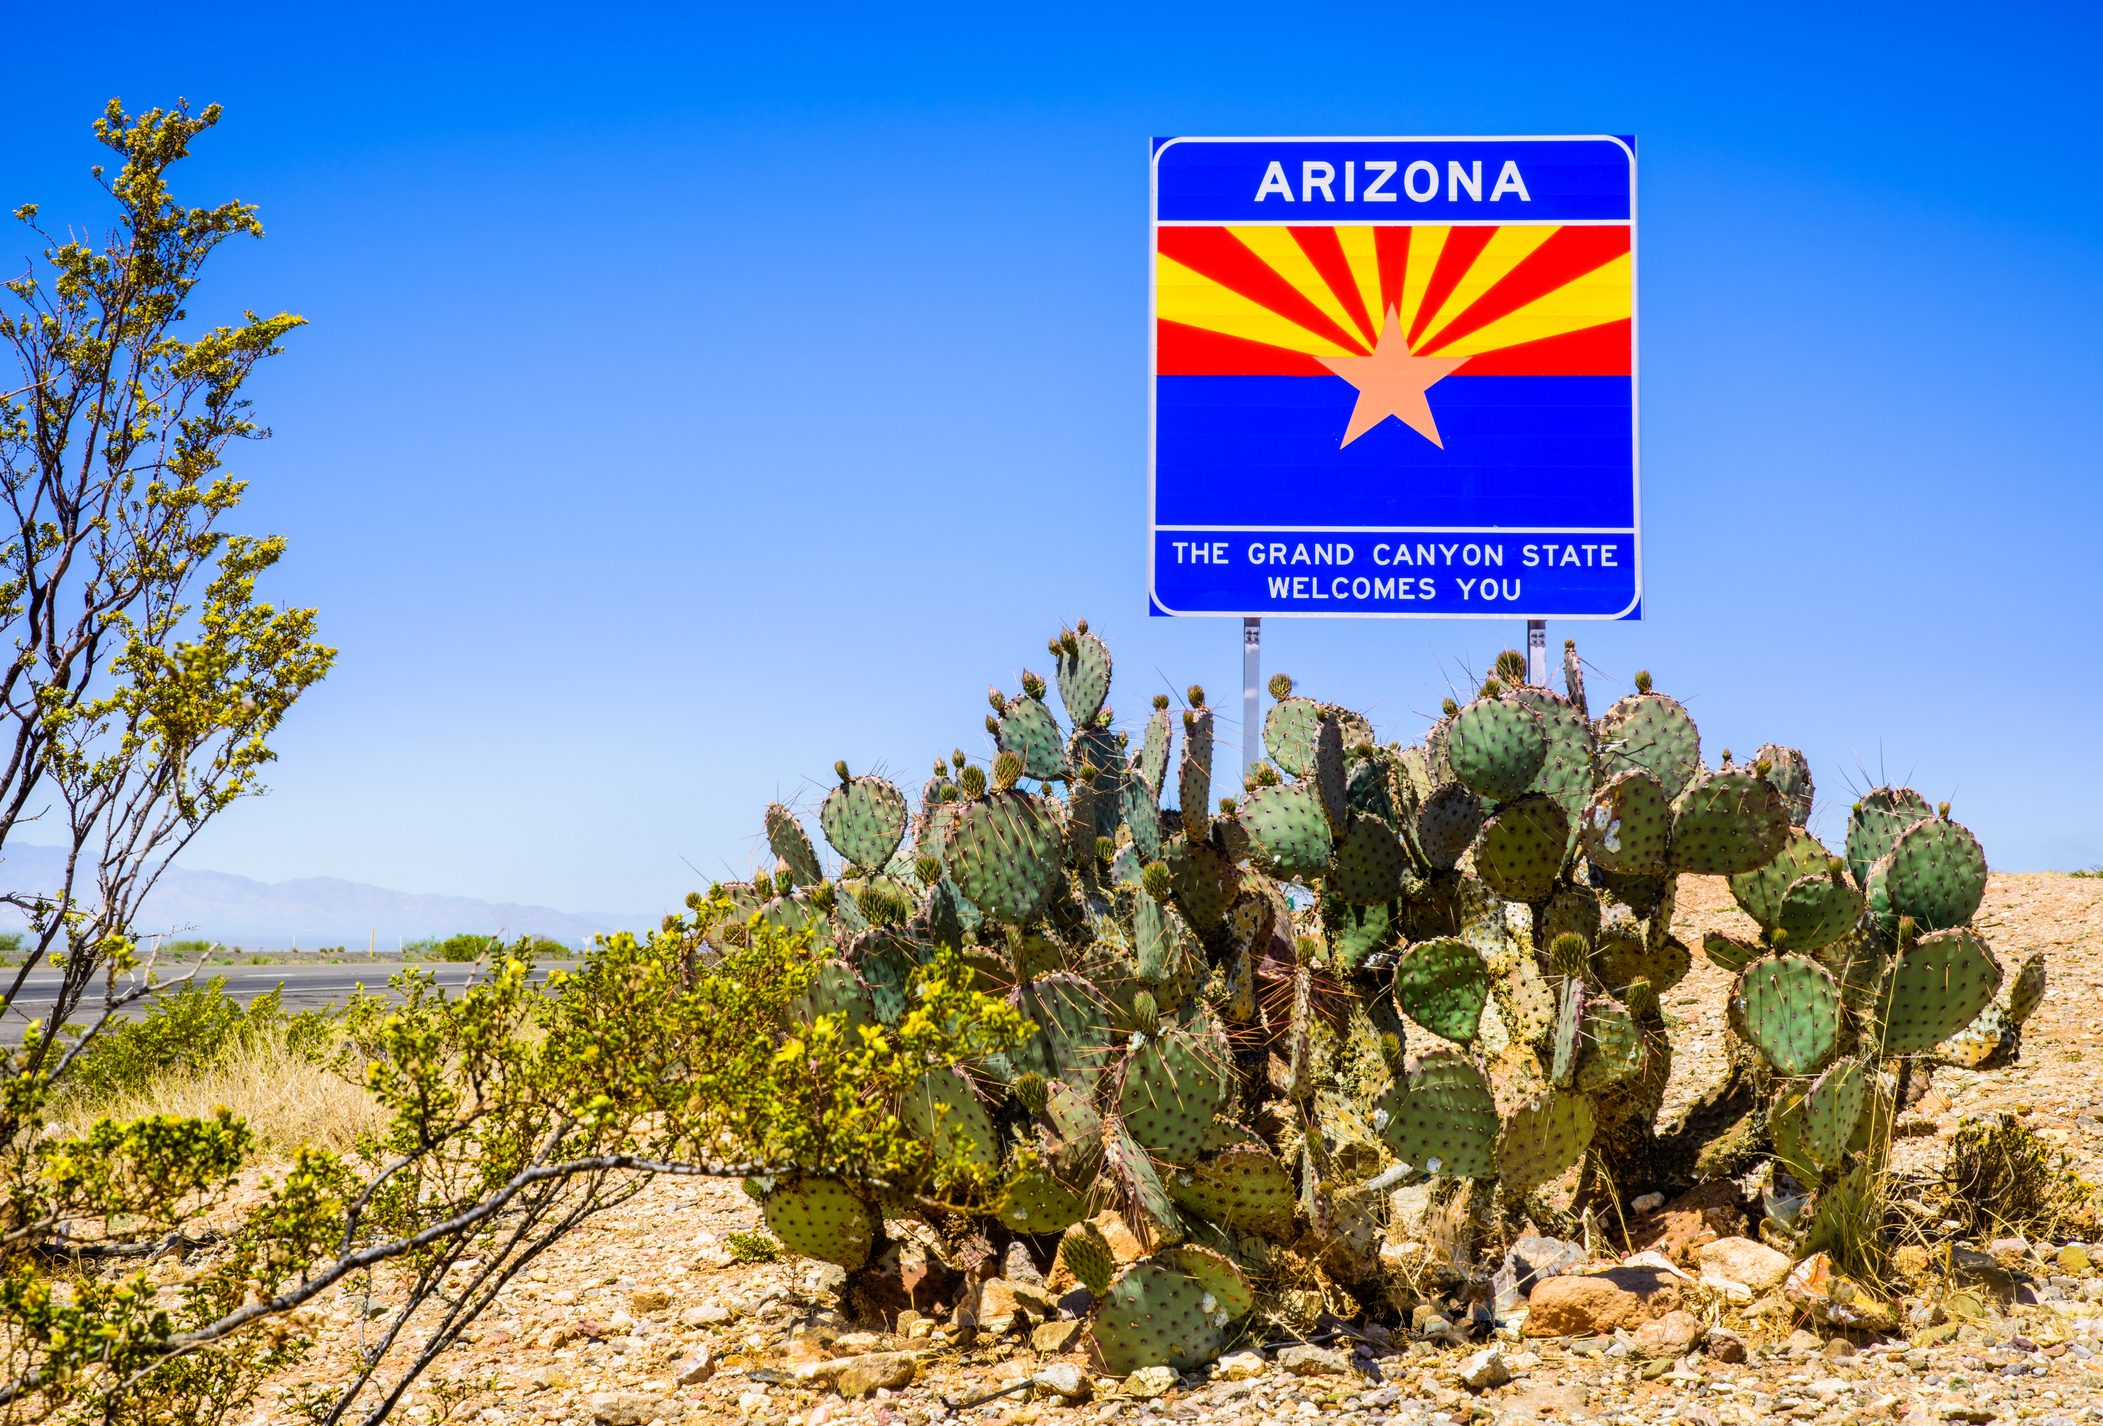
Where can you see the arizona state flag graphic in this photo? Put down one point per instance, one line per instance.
(1394, 377)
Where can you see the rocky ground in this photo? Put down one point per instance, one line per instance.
(645, 1317)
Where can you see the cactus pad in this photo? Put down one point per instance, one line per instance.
(942, 1109)
(1442, 1119)
(1142, 814)
(1083, 674)
(1788, 1008)
(865, 820)
(1818, 910)
(1242, 1187)
(1624, 960)
(1728, 821)
(1627, 827)
(1287, 828)
(1194, 773)
(1790, 772)
(1759, 892)
(834, 989)
(1566, 774)
(1004, 854)
(1935, 873)
(1652, 732)
(1205, 881)
(1151, 761)
(1442, 985)
(1073, 1038)
(1330, 778)
(1875, 823)
(1497, 747)
(788, 841)
(1155, 1315)
(1996, 1035)
(1611, 1049)
(1569, 1026)
(1832, 1107)
(1369, 862)
(1168, 1089)
(1447, 824)
(1289, 732)
(1086, 1253)
(1936, 987)
(1519, 852)
(1525, 1001)
(821, 1218)
(1037, 1202)
(1223, 1280)
(1542, 1139)
(1028, 730)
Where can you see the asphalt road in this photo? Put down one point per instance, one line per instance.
(307, 987)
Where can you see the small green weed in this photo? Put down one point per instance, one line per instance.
(192, 1028)
(753, 1247)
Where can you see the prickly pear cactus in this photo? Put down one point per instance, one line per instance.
(1374, 965)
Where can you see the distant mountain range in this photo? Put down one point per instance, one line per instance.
(316, 911)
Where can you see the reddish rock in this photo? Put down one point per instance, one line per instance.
(1699, 1216)
(1588, 1304)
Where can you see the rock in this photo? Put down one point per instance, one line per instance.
(1970, 1266)
(1150, 1382)
(1309, 1360)
(645, 1301)
(1546, 1403)
(1054, 1337)
(1125, 1246)
(1485, 1369)
(694, 1368)
(1724, 1345)
(1647, 1202)
(1063, 1380)
(2010, 1253)
(1529, 1260)
(1587, 1304)
(2074, 1261)
(1697, 1217)
(909, 1273)
(1239, 1366)
(873, 1371)
(708, 1314)
(623, 1408)
(1741, 1260)
(1832, 1300)
(1667, 1338)
(995, 1311)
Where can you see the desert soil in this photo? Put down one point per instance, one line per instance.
(606, 1328)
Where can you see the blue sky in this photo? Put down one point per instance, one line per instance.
(693, 398)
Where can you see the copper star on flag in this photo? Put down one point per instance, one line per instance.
(1393, 381)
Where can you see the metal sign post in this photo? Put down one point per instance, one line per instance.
(1251, 680)
(1537, 652)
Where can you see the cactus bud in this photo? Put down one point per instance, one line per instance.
(1836, 867)
(882, 904)
(1197, 695)
(1146, 1015)
(1281, 686)
(941, 768)
(1642, 680)
(1080, 626)
(1089, 772)
(1033, 685)
(1226, 807)
(1448, 707)
(1942, 810)
(762, 885)
(1491, 688)
(1569, 644)
(1726, 757)
(957, 759)
(695, 900)
(1190, 721)
(973, 781)
(1104, 717)
(1069, 641)
(1391, 1051)
(997, 699)
(1157, 881)
(1641, 1000)
(993, 725)
(1261, 775)
(1511, 667)
(1778, 938)
(928, 869)
(1054, 647)
(840, 768)
(1306, 950)
(1763, 767)
(1029, 1091)
(1105, 849)
(1160, 701)
(822, 898)
(1007, 770)
(1568, 954)
(1909, 932)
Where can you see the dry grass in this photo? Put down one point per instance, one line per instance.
(286, 1099)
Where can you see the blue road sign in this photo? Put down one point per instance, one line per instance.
(1394, 378)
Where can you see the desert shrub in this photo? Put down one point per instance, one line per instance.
(2003, 1177)
(189, 1030)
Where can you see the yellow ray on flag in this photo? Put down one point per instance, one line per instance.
(1506, 249)
(1425, 245)
(1182, 295)
(1364, 260)
(1281, 252)
(1601, 295)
